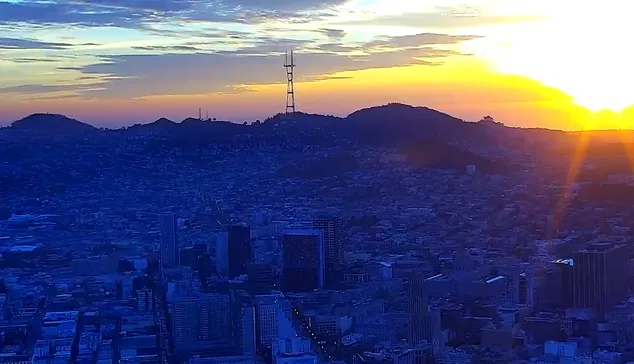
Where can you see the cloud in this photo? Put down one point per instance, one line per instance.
(43, 89)
(39, 97)
(136, 76)
(441, 20)
(419, 40)
(336, 48)
(277, 5)
(66, 12)
(34, 60)
(153, 5)
(185, 69)
(141, 13)
(391, 44)
(334, 34)
(14, 43)
(270, 46)
(178, 48)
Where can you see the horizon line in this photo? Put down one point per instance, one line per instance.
(250, 122)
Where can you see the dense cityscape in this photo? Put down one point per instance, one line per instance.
(304, 239)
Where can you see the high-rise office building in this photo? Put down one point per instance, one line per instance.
(268, 307)
(126, 286)
(239, 250)
(191, 256)
(556, 288)
(222, 254)
(424, 324)
(303, 260)
(144, 300)
(243, 322)
(598, 277)
(199, 320)
(262, 278)
(334, 234)
(169, 247)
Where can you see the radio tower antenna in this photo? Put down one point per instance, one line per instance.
(289, 64)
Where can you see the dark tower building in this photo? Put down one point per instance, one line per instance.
(303, 260)
(599, 277)
(169, 246)
(334, 234)
(243, 327)
(262, 278)
(565, 277)
(423, 323)
(190, 256)
(239, 250)
(556, 288)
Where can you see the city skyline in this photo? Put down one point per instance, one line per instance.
(113, 64)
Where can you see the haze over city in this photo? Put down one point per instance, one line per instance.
(112, 63)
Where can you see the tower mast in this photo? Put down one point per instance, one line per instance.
(289, 64)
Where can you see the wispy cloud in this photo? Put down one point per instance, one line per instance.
(136, 48)
(13, 43)
(43, 89)
(137, 13)
(441, 20)
(419, 40)
(178, 48)
(144, 75)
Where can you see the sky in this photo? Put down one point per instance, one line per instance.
(562, 64)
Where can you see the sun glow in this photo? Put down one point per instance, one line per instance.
(581, 50)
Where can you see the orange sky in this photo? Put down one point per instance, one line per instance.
(468, 92)
(531, 64)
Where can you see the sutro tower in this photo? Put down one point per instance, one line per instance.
(290, 92)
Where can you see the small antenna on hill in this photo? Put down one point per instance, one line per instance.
(200, 113)
(207, 114)
(289, 64)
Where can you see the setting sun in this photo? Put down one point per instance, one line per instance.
(581, 50)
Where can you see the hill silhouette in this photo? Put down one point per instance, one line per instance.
(162, 126)
(399, 123)
(163, 122)
(429, 138)
(393, 124)
(192, 122)
(397, 112)
(51, 124)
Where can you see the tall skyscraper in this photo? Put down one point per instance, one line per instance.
(222, 254)
(200, 320)
(239, 250)
(243, 322)
(303, 260)
(556, 286)
(334, 234)
(169, 247)
(598, 277)
(424, 324)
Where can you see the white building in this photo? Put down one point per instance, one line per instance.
(267, 310)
